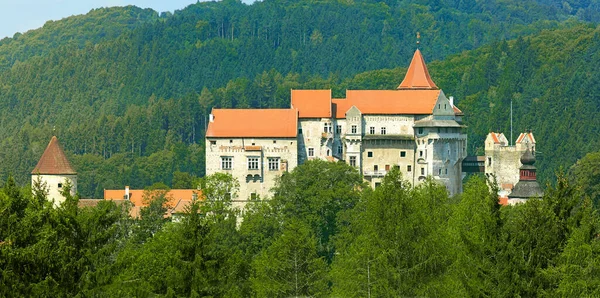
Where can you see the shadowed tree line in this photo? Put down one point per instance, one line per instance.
(323, 233)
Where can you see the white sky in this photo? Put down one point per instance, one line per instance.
(24, 15)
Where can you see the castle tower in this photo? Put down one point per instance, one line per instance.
(54, 171)
(527, 187)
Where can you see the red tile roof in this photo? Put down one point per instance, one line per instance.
(495, 138)
(312, 103)
(417, 75)
(53, 161)
(523, 135)
(387, 102)
(457, 111)
(503, 201)
(176, 199)
(253, 123)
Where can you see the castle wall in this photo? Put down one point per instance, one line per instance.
(314, 136)
(54, 186)
(504, 163)
(274, 157)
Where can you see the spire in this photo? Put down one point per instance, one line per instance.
(53, 161)
(417, 76)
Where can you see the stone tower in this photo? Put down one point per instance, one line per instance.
(54, 171)
(527, 187)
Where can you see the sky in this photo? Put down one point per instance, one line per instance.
(24, 15)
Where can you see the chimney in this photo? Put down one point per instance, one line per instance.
(451, 100)
(127, 192)
(211, 117)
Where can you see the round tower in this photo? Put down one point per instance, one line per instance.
(54, 171)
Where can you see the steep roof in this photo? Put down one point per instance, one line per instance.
(387, 102)
(253, 123)
(312, 103)
(53, 161)
(526, 137)
(417, 75)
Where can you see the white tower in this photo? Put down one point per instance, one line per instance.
(54, 171)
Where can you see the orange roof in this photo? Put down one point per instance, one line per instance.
(523, 135)
(495, 138)
(503, 201)
(53, 161)
(253, 123)
(312, 103)
(417, 75)
(457, 111)
(386, 102)
(175, 198)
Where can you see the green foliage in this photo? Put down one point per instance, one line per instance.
(129, 92)
(390, 241)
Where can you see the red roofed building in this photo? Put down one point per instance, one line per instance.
(177, 200)
(415, 127)
(54, 171)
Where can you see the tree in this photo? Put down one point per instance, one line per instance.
(290, 266)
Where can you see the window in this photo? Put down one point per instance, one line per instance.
(273, 163)
(372, 130)
(354, 129)
(300, 130)
(60, 185)
(420, 153)
(440, 172)
(489, 161)
(338, 129)
(446, 171)
(340, 149)
(375, 168)
(402, 153)
(383, 130)
(252, 163)
(253, 196)
(420, 130)
(409, 168)
(327, 127)
(328, 152)
(213, 142)
(353, 161)
(369, 153)
(226, 162)
(423, 171)
(274, 141)
(311, 152)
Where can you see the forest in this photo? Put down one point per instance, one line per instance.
(128, 91)
(323, 233)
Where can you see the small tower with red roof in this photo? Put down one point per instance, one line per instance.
(55, 171)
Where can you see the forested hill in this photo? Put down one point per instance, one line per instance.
(98, 25)
(132, 108)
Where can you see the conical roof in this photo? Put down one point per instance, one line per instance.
(417, 75)
(53, 161)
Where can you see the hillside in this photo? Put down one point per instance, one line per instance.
(132, 108)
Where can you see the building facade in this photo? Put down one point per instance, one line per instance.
(414, 127)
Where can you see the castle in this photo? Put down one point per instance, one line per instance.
(415, 127)
(512, 167)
